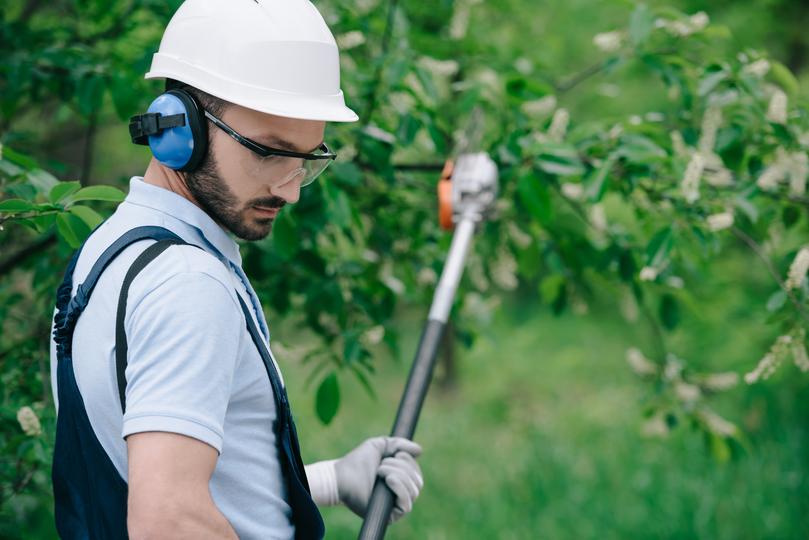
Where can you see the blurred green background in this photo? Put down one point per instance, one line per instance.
(538, 430)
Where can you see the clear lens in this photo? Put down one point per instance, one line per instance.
(283, 170)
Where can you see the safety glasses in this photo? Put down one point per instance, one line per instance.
(283, 162)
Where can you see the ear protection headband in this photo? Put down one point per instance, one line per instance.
(174, 128)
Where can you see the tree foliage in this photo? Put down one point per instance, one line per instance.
(637, 206)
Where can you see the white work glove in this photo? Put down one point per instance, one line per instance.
(350, 479)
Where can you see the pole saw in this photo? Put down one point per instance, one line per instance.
(466, 194)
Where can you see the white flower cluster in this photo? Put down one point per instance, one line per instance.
(504, 271)
(349, 40)
(539, 108)
(759, 68)
(798, 269)
(29, 421)
(459, 22)
(639, 363)
(608, 41)
(443, 68)
(684, 27)
(691, 179)
(793, 166)
(720, 221)
(777, 108)
(793, 344)
(648, 273)
(718, 382)
(559, 123)
(572, 191)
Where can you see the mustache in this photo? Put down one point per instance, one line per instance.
(272, 202)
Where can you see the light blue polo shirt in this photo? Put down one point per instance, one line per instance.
(192, 367)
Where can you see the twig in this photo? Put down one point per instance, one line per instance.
(371, 106)
(753, 245)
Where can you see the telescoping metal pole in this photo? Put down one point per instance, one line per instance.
(474, 187)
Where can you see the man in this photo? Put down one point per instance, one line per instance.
(172, 415)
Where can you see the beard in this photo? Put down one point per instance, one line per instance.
(213, 195)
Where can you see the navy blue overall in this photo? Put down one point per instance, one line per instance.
(90, 496)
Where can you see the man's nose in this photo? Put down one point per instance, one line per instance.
(290, 190)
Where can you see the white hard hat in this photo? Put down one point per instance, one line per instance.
(273, 56)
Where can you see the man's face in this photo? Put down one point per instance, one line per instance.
(241, 190)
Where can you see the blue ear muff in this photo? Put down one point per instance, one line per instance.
(174, 129)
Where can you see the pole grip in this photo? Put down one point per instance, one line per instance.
(381, 502)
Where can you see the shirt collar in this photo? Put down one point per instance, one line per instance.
(180, 208)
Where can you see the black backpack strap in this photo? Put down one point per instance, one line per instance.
(121, 346)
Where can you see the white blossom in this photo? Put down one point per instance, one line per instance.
(608, 41)
(678, 143)
(691, 179)
(427, 276)
(597, 217)
(444, 68)
(572, 191)
(504, 271)
(777, 109)
(699, 20)
(711, 121)
(687, 392)
(29, 421)
(720, 221)
(539, 108)
(520, 237)
(656, 426)
(797, 169)
(559, 123)
(648, 273)
(349, 40)
(374, 335)
(798, 269)
(759, 68)
(770, 361)
(459, 22)
(639, 363)
(524, 65)
(718, 382)
(718, 425)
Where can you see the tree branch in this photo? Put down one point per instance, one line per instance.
(21, 256)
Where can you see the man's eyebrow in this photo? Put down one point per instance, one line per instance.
(278, 142)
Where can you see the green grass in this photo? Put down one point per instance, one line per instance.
(541, 438)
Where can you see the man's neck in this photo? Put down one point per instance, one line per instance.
(158, 175)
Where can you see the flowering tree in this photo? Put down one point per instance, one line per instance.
(645, 202)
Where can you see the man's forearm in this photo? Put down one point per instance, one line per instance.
(323, 483)
(153, 521)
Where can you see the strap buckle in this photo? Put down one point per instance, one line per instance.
(141, 126)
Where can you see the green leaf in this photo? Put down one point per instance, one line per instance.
(72, 229)
(535, 196)
(657, 251)
(15, 206)
(62, 190)
(669, 312)
(96, 193)
(559, 159)
(783, 77)
(776, 300)
(596, 185)
(710, 81)
(285, 235)
(640, 24)
(87, 215)
(327, 399)
(640, 149)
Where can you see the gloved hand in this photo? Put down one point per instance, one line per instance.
(392, 458)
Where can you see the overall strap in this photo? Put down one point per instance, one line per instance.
(69, 308)
(121, 345)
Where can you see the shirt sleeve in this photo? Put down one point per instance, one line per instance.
(183, 339)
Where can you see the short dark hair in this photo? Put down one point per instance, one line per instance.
(212, 104)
